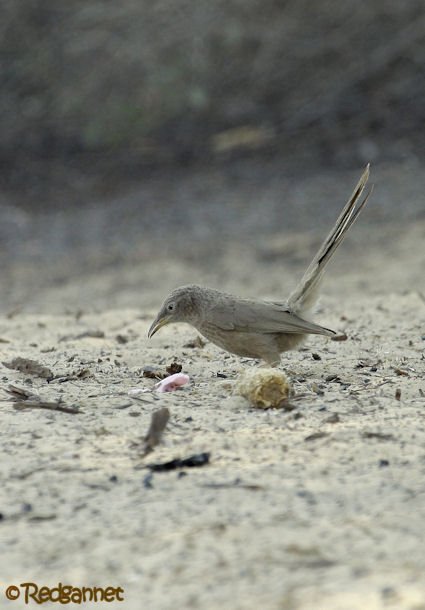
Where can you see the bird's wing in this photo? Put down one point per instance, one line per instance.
(262, 316)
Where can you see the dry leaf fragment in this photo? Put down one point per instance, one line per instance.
(342, 337)
(174, 368)
(316, 436)
(30, 367)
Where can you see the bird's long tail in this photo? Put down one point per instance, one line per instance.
(304, 297)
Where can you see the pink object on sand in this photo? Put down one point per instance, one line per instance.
(172, 382)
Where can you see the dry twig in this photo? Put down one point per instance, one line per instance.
(23, 399)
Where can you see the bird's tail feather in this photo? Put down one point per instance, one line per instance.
(304, 297)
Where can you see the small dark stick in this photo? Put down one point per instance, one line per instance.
(157, 426)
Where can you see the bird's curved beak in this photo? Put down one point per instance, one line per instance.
(158, 323)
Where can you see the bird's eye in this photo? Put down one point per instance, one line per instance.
(170, 307)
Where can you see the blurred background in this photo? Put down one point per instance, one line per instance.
(135, 133)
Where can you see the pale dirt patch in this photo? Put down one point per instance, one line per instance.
(321, 507)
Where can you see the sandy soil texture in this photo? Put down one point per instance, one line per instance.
(318, 507)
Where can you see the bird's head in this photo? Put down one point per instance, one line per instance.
(181, 305)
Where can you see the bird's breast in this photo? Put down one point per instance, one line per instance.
(246, 344)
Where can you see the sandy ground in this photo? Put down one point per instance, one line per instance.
(321, 507)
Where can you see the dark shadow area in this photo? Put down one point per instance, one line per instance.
(93, 96)
(141, 134)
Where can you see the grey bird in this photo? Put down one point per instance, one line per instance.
(255, 328)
